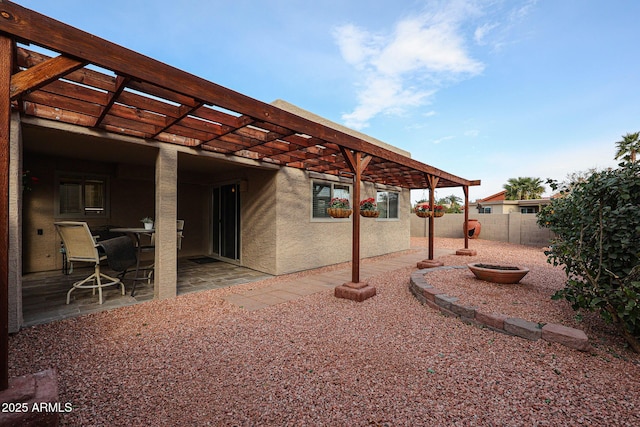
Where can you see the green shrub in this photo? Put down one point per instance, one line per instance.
(597, 229)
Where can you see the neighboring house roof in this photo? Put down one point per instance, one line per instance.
(500, 198)
(494, 197)
(135, 95)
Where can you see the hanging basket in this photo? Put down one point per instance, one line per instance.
(370, 214)
(339, 212)
(438, 214)
(423, 214)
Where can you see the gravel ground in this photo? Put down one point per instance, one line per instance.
(323, 361)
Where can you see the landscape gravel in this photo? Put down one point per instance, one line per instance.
(198, 360)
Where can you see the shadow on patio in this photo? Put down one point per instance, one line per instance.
(44, 294)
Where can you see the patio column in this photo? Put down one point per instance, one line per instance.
(166, 257)
(15, 224)
(355, 290)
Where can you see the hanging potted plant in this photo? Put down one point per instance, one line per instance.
(438, 211)
(339, 208)
(369, 208)
(423, 210)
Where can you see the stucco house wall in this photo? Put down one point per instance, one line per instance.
(258, 221)
(305, 243)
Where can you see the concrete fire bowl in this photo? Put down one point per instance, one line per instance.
(497, 273)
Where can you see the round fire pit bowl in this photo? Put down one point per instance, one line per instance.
(497, 273)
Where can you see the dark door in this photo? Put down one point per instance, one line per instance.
(226, 221)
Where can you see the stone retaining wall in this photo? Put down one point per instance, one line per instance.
(435, 298)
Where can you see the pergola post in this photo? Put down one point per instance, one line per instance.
(433, 183)
(355, 290)
(432, 180)
(466, 250)
(5, 126)
(466, 216)
(41, 386)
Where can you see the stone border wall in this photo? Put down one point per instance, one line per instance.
(515, 228)
(435, 298)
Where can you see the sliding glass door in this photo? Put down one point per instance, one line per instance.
(225, 214)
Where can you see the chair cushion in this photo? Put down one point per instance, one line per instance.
(120, 251)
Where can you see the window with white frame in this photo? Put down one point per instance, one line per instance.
(388, 204)
(322, 193)
(81, 196)
(484, 210)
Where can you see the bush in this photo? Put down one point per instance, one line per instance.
(597, 228)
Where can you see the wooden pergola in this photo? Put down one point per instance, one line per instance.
(96, 84)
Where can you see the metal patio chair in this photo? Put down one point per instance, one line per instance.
(148, 269)
(80, 246)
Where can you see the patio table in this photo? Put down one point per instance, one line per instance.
(136, 232)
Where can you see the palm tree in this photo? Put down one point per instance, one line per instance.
(628, 147)
(453, 202)
(514, 189)
(533, 188)
(524, 188)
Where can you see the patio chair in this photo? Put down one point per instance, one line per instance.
(80, 246)
(148, 269)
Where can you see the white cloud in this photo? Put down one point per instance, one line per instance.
(383, 95)
(403, 68)
(444, 138)
(356, 45)
(482, 31)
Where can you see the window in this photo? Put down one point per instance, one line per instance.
(387, 204)
(484, 210)
(81, 196)
(323, 192)
(530, 210)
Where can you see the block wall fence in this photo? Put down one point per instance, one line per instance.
(513, 228)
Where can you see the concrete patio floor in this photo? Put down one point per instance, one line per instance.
(44, 294)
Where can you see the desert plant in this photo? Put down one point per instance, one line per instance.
(597, 229)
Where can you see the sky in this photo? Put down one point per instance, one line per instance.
(482, 89)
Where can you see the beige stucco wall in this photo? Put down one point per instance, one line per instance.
(258, 221)
(514, 228)
(15, 226)
(305, 243)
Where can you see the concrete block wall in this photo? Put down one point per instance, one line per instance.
(513, 228)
